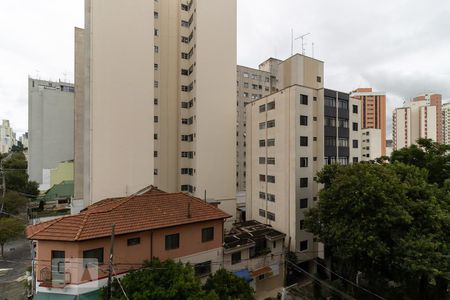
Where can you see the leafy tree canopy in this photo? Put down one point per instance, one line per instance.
(228, 286)
(10, 228)
(14, 203)
(386, 221)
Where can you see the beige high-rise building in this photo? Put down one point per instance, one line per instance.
(419, 118)
(291, 135)
(446, 123)
(159, 100)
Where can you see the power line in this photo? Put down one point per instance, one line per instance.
(120, 284)
(346, 280)
(341, 293)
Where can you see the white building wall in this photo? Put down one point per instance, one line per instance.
(371, 144)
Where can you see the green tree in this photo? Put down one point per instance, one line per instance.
(386, 221)
(10, 228)
(17, 179)
(428, 155)
(228, 286)
(159, 281)
(14, 203)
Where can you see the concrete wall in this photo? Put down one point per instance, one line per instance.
(50, 125)
(119, 108)
(63, 172)
(215, 99)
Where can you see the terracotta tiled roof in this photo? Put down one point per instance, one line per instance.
(151, 210)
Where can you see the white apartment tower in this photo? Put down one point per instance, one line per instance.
(158, 105)
(7, 137)
(291, 135)
(446, 123)
(420, 117)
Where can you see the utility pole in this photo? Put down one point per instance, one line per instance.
(110, 269)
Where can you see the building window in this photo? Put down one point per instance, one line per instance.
(355, 159)
(330, 102)
(343, 123)
(271, 197)
(155, 101)
(262, 125)
(262, 177)
(271, 160)
(156, 49)
(156, 66)
(155, 15)
(343, 104)
(262, 213)
(330, 122)
(155, 171)
(184, 7)
(156, 32)
(93, 254)
(262, 143)
(303, 99)
(270, 216)
(184, 72)
(133, 241)
(304, 203)
(303, 162)
(270, 142)
(355, 109)
(271, 124)
(155, 136)
(203, 269)
(262, 160)
(271, 105)
(172, 241)
(156, 84)
(262, 108)
(155, 118)
(319, 79)
(304, 120)
(355, 126)
(155, 153)
(355, 143)
(304, 141)
(207, 234)
(262, 195)
(184, 23)
(343, 142)
(304, 245)
(302, 224)
(304, 182)
(236, 258)
(245, 75)
(270, 178)
(330, 141)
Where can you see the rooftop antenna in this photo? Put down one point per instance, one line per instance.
(302, 37)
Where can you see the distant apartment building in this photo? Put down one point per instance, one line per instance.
(291, 135)
(419, 118)
(24, 140)
(371, 139)
(446, 123)
(166, 116)
(7, 137)
(252, 84)
(373, 114)
(71, 253)
(50, 125)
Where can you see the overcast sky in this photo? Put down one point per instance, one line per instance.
(401, 47)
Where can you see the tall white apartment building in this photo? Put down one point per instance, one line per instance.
(158, 100)
(50, 126)
(446, 123)
(291, 135)
(419, 118)
(7, 137)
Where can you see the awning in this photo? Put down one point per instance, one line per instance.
(261, 271)
(244, 274)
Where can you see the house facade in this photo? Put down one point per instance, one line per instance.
(72, 253)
